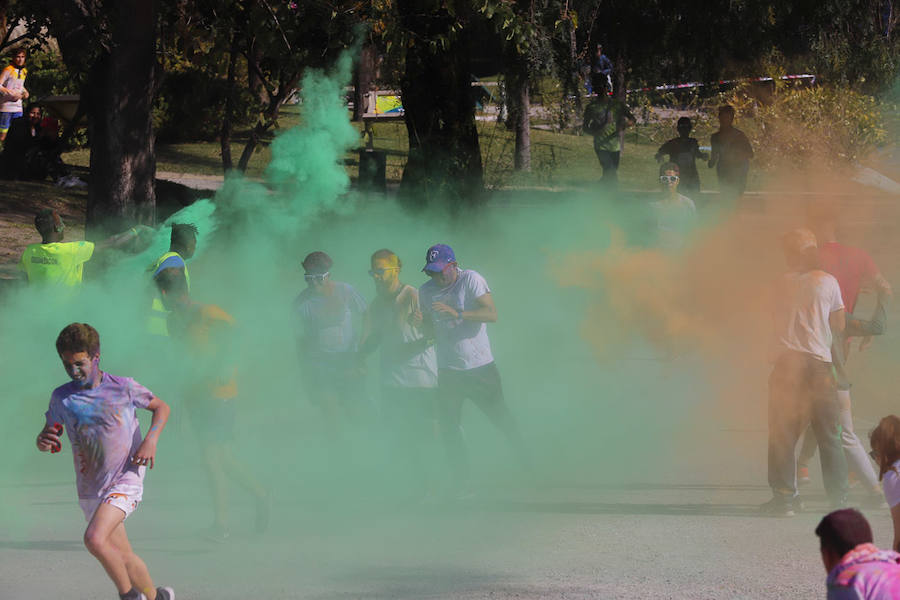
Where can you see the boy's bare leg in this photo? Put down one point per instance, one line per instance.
(137, 570)
(98, 541)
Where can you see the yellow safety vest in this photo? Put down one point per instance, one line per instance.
(157, 321)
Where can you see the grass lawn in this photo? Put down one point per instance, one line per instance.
(557, 159)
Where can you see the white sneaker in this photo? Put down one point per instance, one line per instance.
(165, 593)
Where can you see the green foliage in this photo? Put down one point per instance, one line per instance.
(818, 125)
(190, 105)
(48, 75)
(854, 46)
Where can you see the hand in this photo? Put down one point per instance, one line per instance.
(145, 454)
(415, 318)
(25, 93)
(865, 342)
(48, 439)
(445, 309)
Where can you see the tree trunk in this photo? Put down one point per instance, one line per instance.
(122, 86)
(228, 118)
(444, 153)
(364, 77)
(286, 87)
(255, 135)
(620, 92)
(519, 107)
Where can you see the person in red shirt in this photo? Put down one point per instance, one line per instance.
(854, 270)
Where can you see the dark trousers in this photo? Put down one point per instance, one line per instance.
(409, 415)
(609, 161)
(803, 389)
(482, 386)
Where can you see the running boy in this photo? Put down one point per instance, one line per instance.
(684, 152)
(97, 410)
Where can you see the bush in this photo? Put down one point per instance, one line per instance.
(804, 126)
(47, 75)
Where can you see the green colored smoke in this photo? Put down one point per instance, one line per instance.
(585, 421)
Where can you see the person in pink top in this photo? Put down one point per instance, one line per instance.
(854, 270)
(857, 569)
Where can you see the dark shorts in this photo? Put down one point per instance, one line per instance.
(6, 119)
(478, 384)
(213, 419)
(335, 380)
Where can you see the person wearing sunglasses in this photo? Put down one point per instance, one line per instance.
(675, 215)
(408, 367)
(328, 326)
(457, 305)
(885, 443)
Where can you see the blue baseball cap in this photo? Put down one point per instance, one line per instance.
(438, 257)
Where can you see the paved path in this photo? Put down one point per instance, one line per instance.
(572, 539)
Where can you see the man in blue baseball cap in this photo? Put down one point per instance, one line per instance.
(456, 306)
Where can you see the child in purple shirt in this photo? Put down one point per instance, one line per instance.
(98, 411)
(857, 569)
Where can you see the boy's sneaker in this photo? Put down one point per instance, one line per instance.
(165, 593)
(778, 507)
(803, 476)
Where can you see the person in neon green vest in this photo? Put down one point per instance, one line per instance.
(182, 246)
(54, 262)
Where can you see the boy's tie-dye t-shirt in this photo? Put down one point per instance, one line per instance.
(103, 430)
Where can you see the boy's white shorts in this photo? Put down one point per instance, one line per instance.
(124, 496)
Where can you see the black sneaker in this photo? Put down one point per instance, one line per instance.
(165, 593)
(778, 507)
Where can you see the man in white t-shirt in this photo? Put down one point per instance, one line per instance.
(456, 307)
(408, 370)
(802, 386)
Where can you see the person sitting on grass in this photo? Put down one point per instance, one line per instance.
(97, 410)
(857, 569)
